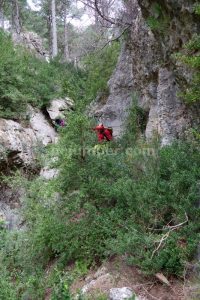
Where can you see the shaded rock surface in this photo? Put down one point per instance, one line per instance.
(146, 68)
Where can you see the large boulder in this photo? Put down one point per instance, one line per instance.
(19, 144)
(59, 107)
(42, 128)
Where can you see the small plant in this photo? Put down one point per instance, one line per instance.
(158, 20)
(190, 57)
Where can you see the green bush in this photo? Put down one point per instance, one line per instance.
(111, 203)
(190, 57)
(24, 79)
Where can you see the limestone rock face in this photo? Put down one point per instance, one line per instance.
(114, 112)
(58, 107)
(43, 130)
(147, 68)
(17, 143)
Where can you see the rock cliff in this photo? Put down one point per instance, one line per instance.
(147, 68)
(19, 144)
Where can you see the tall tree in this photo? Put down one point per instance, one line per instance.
(66, 43)
(2, 2)
(54, 41)
(16, 23)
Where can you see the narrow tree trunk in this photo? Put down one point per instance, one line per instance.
(66, 44)
(2, 14)
(16, 26)
(54, 29)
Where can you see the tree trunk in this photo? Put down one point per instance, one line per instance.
(54, 29)
(2, 14)
(66, 44)
(16, 25)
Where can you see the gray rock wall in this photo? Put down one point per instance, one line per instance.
(146, 67)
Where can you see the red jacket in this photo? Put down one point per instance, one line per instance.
(103, 133)
(108, 134)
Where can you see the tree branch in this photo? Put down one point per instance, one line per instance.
(115, 39)
(166, 235)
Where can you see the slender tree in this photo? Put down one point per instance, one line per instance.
(54, 29)
(2, 2)
(66, 43)
(16, 23)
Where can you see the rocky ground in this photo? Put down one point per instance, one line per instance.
(116, 281)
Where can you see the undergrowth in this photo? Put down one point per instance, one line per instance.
(106, 201)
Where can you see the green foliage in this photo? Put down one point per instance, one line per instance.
(116, 198)
(190, 57)
(7, 291)
(197, 9)
(83, 84)
(105, 203)
(115, 203)
(99, 67)
(24, 79)
(158, 20)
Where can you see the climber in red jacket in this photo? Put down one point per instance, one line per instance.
(103, 133)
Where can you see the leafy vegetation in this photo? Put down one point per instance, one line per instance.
(24, 79)
(83, 84)
(158, 20)
(106, 201)
(128, 197)
(191, 58)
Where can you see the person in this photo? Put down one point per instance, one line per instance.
(103, 133)
(59, 123)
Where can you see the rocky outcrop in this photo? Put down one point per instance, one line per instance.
(147, 68)
(59, 107)
(115, 111)
(19, 143)
(33, 42)
(41, 127)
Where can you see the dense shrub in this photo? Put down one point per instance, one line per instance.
(24, 79)
(116, 203)
(190, 57)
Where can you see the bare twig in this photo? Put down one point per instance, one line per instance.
(115, 39)
(178, 225)
(166, 235)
